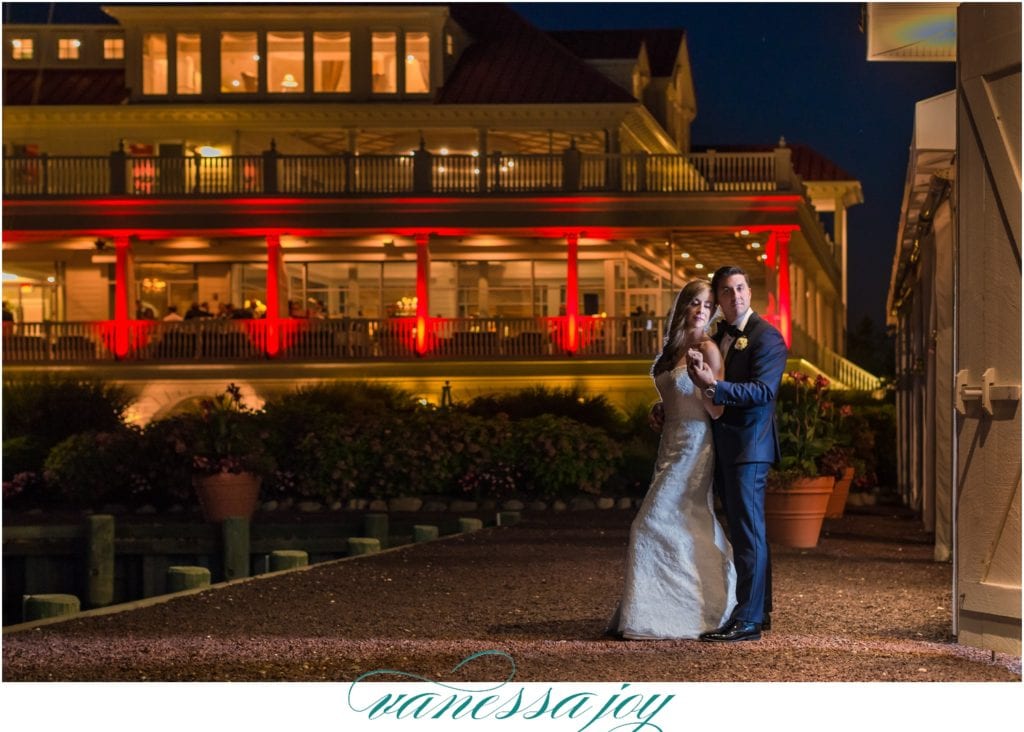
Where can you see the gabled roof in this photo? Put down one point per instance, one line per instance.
(512, 62)
(808, 163)
(662, 45)
(64, 86)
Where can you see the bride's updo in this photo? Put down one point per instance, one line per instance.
(675, 335)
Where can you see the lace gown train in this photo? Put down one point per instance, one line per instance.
(680, 578)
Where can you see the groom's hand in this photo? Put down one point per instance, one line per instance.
(656, 418)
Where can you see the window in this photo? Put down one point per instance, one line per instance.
(383, 49)
(188, 63)
(22, 49)
(239, 62)
(113, 48)
(332, 62)
(68, 48)
(449, 44)
(286, 62)
(417, 63)
(154, 63)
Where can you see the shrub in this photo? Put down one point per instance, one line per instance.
(559, 457)
(595, 411)
(90, 468)
(46, 409)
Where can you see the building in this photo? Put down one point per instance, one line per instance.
(955, 301)
(444, 190)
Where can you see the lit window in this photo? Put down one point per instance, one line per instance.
(239, 62)
(332, 62)
(383, 51)
(154, 63)
(417, 63)
(68, 49)
(286, 62)
(449, 44)
(113, 48)
(188, 64)
(22, 49)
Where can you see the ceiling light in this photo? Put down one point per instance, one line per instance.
(744, 232)
(755, 245)
(444, 151)
(685, 255)
(208, 151)
(699, 266)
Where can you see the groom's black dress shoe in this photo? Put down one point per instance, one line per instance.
(737, 630)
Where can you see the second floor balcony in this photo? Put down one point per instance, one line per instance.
(422, 172)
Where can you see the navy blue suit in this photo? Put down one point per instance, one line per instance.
(746, 445)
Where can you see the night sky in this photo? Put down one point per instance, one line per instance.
(764, 71)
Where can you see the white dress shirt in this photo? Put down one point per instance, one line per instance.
(740, 323)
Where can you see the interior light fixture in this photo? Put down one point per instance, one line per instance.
(684, 255)
(8, 276)
(207, 151)
(289, 82)
(444, 151)
(698, 266)
(744, 232)
(51, 279)
(755, 245)
(235, 83)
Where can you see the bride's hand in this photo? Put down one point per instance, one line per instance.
(694, 358)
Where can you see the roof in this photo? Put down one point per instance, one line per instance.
(509, 61)
(64, 86)
(808, 163)
(662, 45)
(512, 62)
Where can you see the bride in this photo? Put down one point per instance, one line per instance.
(680, 578)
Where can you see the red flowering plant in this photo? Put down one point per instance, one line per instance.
(807, 421)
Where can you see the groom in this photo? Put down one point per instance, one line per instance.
(746, 443)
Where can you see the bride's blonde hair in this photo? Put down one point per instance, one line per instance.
(675, 335)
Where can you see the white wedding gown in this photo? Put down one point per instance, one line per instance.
(680, 578)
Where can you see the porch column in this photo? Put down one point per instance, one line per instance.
(273, 334)
(782, 237)
(123, 250)
(422, 291)
(840, 235)
(572, 291)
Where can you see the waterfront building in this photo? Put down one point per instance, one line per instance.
(440, 189)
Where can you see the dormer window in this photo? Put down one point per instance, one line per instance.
(384, 49)
(286, 63)
(69, 49)
(417, 63)
(239, 62)
(154, 63)
(113, 49)
(188, 63)
(23, 49)
(332, 62)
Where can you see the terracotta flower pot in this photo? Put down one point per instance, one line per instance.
(793, 515)
(223, 495)
(837, 502)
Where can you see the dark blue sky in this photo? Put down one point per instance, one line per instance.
(761, 71)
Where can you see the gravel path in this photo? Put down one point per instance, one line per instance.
(867, 604)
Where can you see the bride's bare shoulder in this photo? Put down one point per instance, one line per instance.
(708, 346)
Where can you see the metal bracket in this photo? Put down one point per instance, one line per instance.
(988, 391)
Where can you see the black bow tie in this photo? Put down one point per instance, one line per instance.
(728, 328)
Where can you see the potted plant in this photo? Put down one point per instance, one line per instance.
(798, 494)
(229, 457)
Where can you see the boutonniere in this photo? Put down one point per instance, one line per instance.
(741, 343)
